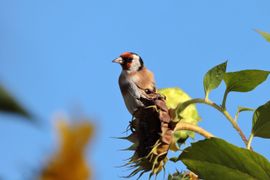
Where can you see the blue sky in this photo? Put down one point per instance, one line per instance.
(55, 56)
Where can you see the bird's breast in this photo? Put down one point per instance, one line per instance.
(130, 93)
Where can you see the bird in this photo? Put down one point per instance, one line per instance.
(150, 124)
(136, 82)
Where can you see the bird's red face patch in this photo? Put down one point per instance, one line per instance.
(127, 60)
(126, 55)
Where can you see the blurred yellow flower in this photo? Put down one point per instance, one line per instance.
(70, 163)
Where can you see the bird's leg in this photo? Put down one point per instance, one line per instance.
(132, 123)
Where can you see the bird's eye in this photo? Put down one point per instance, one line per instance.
(129, 59)
(148, 91)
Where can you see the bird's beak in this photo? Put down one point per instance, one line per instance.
(118, 60)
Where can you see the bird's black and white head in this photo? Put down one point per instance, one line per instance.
(130, 61)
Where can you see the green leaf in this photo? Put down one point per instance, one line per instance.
(10, 105)
(215, 158)
(244, 81)
(265, 35)
(174, 159)
(170, 177)
(213, 77)
(261, 121)
(241, 109)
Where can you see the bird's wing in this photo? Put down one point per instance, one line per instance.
(144, 80)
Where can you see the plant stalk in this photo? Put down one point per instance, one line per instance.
(219, 108)
(194, 128)
(224, 99)
(250, 140)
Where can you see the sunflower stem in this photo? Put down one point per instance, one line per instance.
(224, 99)
(249, 141)
(194, 128)
(221, 109)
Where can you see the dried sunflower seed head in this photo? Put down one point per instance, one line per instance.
(151, 138)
